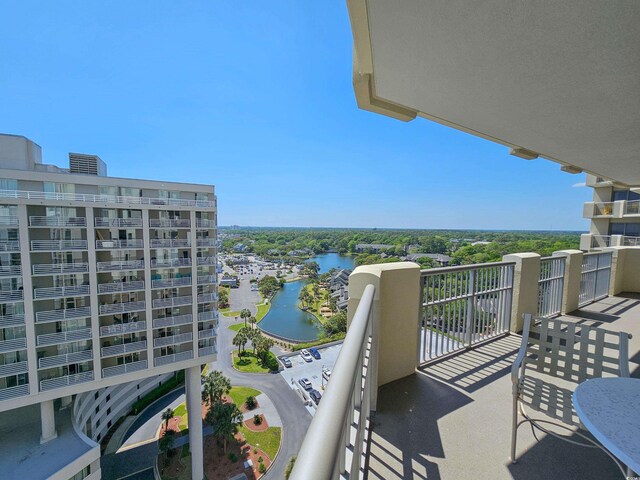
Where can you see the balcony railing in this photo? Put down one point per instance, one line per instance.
(206, 242)
(205, 223)
(173, 358)
(10, 270)
(59, 268)
(118, 222)
(550, 286)
(123, 348)
(11, 320)
(16, 368)
(173, 339)
(83, 197)
(173, 301)
(463, 306)
(67, 380)
(135, 243)
(172, 321)
(122, 307)
(124, 368)
(342, 417)
(631, 241)
(122, 328)
(204, 351)
(63, 314)
(9, 221)
(632, 207)
(603, 209)
(65, 359)
(203, 316)
(206, 260)
(205, 279)
(124, 265)
(170, 223)
(13, 344)
(171, 262)
(208, 333)
(596, 274)
(112, 287)
(170, 243)
(55, 245)
(207, 297)
(11, 296)
(57, 221)
(9, 246)
(171, 282)
(13, 392)
(52, 292)
(600, 241)
(62, 337)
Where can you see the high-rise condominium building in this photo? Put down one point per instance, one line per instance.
(107, 285)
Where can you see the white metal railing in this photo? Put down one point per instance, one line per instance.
(204, 279)
(85, 197)
(601, 209)
(207, 333)
(10, 270)
(207, 297)
(62, 314)
(123, 265)
(628, 241)
(122, 328)
(9, 220)
(35, 221)
(170, 223)
(65, 358)
(171, 262)
(13, 344)
(206, 260)
(172, 321)
(170, 243)
(13, 369)
(136, 243)
(69, 291)
(463, 305)
(171, 282)
(204, 351)
(205, 223)
(550, 286)
(62, 337)
(173, 358)
(632, 207)
(112, 287)
(206, 242)
(44, 245)
(124, 368)
(123, 348)
(343, 415)
(58, 382)
(600, 241)
(122, 307)
(57, 268)
(11, 320)
(173, 339)
(12, 392)
(11, 296)
(118, 222)
(203, 316)
(596, 274)
(9, 246)
(172, 301)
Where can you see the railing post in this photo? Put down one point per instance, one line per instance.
(625, 265)
(471, 309)
(525, 287)
(572, 278)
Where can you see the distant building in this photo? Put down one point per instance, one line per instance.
(240, 247)
(231, 282)
(339, 287)
(480, 243)
(373, 247)
(440, 258)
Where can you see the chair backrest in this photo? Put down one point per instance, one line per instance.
(573, 351)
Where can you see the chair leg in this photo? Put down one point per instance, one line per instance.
(514, 429)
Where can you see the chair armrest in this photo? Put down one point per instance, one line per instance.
(517, 364)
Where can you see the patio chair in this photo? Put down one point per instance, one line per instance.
(555, 356)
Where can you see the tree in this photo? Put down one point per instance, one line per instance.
(252, 321)
(215, 385)
(240, 340)
(166, 444)
(244, 314)
(255, 336)
(167, 415)
(263, 346)
(225, 418)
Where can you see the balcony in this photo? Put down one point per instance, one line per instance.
(13, 345)
(207, 333)
(207, 297)
(63, 337)
(205, 223)
(169, 223)
(173, 358)
(65, 359)
(9, 246)
(442, 396)
(591, 242)
(170, 243)
(9, 369)
(57, 245)
(122, 348)
(206, 260)
(203, 316)
(59, 268)
(173, 340)
(120, 244)
(57, 221)
(210, 350)
(172, 321)
(11, 296)
(62, 314)
(123, 265)
(125, 368)
(171, 262)
(11, 320)
(9, 221)
(13, 392)
(171, 282)
(122, 328)
(114, 287)
(65, 381)
(56, 292)
(206, 242)
(10, 270)
(206, 279)
(172, 301)
(118, 222)
(123, 307)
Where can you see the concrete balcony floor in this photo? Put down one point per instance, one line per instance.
(452, 419)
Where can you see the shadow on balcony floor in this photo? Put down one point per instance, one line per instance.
(452, 418)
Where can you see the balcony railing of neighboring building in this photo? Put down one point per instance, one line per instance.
(55, 268)
(11, 320)
(173, 339)
(118, 222)
(122, 265)
(172, 358)
(550, 286)
(9, 246)
(114, 287)
(170, 243)
(13, 344)
(10, 270)
(9, 221)
(171, 282)
(122, 348)
(172, 301)
(595, 278)
(123, 307)
(342, 417)
(65, 359)
(632, 207)
(171, 262)
(11, 296)
(84, 197)
(603, 209)
(206, 242)
(172, 321)
(13, 392)
(63, 337)
(463, 306)
(206, 333)
(64, 381)
(55, 245)
(53, 292)
(204, 279)
(57, 221)
(62, 314)
(16, 368)
(600, 241)
(628, 241)
(170, 223)
(134, 243)
(122, 328)
(124, 368)
(206, 260)
(203, 316)
(207, 297)
(205, 223)
(204, 351)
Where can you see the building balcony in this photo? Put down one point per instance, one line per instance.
(590, 241)
(9, 246)
(123, 307)
(135, 243)
(172, 301)
(62, 314)
(124, 368)
(205, 351)
(122, 348)
(65, 359)
(123, 265)
(59, 268)
(173, 339)
(206, 242)
(169, 223)
(13, 392)
(9, 221)
(206, 279)
(206, 260)
(63, 337)
(207, 297)
(170, 243)
(171, 262)
(57, 245)
(118, 222)
(171, 282)
(173, 358)
(618, 209)
(10, 270)
(13, 345)
(204, 316)
(65, 381)
(9, 369)
(207, 333)
(172, 321)
(436, 402)
(115, 287)
(57, 292)
(11, 320)
(122, 328)
(57, 221)
(11, 296)
(205, 223)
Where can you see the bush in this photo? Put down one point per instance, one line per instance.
(290, 465)
(260, 459)
(255, 450)
(233, 457)
(269, 361)
(251, 402)
(262, 468)
(257, 419)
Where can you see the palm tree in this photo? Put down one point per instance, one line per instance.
(303, 297)
(253, 320)
(166, 444)
(256, 336)
(225, 419)
(239, 340)
(167, 415)
(215, 385)
(244, 314)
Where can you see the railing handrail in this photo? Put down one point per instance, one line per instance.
(457, 268)
(328, 422)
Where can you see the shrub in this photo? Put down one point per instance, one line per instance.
(260, 459)
(233, 457)
(290, 465)
(257, 419)
(255, 450)
(262, 468)
(251, 402)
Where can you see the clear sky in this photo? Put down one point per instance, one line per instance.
(256, 98)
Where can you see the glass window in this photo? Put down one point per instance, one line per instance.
(113, 191)
(616, 228)
(51, 187)
(130, 192)
(632, 230)
(8, 184)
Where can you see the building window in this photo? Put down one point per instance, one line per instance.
(8, 184)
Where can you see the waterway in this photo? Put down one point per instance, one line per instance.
(285, 318)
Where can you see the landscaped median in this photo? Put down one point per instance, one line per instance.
(248, 362)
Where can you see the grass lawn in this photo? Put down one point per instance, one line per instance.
(269, 440)
(240, 394)
(229, 313)
(263, 309)
(236, 326)
(248, 363)
(181, 410)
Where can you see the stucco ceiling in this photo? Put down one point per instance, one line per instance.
(559, 78)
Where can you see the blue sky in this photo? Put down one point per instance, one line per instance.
(256, 98)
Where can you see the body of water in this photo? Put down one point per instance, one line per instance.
(285, 318)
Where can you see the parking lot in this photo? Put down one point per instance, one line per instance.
(310, 370)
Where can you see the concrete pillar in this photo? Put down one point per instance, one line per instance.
(525, 287)
(572, 278)
(395, 314)
(625, 265)
(616, 241)
(194, 410)
(48, 421)
(585, 242)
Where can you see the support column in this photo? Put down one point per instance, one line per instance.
(572, 278)
(525, 287)
(194, 410)
(48, 421)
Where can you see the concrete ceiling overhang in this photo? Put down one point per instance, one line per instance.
(555, 79)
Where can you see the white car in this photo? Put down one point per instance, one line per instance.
(326, 374)
(306, 356)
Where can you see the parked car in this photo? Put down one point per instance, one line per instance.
(306, 356)
(306, 384)
(316, 354)
(286, 362)
(326, 373)
(315, 396)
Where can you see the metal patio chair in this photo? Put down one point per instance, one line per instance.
(555, 356)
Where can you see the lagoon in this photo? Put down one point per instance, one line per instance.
(285, 319)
